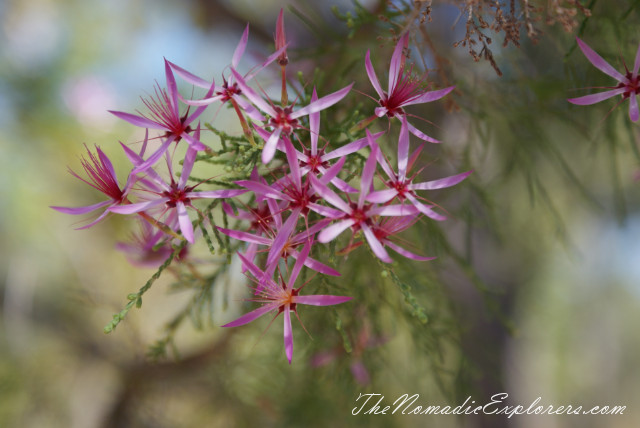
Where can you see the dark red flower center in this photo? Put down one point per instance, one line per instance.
(283, 120)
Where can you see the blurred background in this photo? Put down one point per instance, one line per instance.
(535, 292)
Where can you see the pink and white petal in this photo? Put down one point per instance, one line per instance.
(187, 166)
(373, 78)
(332, 172)
(342, 185)
(425, 209)
(376, 246)
(636, 64)
(249, 109)
(352, 147)
(263, 190)
(394, 210)
(441, 183)
(82, 210)
(215, 194)
(427, 97)
(380, 111)
(189, 77)
(202, 102)
(314, 125)
(106, 163)
(94, 222)
(252, 95)
(408, 254)
(321, 299)
(136, 120)
(382, 161)
(319, 267)
(329, 195)
(382, 196)
(596, 98)
(270, 146)
(415, 131)
(332, 232)
(172, 87)
(194, 143)
(294, 165)
(245, 236)
(253, 315)
(288, 334)
(368, 171)
(185, 222)
(266, 62)
(281, 239)
(599, 62)
(322, 103)
(403, 148)
(301, 259)
(326, 211)
(237, 54)
(633, 107)
(137, 207)
(255, 271)
(397, 63)
(154, 157)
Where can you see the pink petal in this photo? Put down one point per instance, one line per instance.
(294, 165)
(394, 210)
(237, 54)
(253, 315)
(281, 239)
(441, 183)
(633, 108)
(189, 77)
(252, 95)
(375, 245)
(352, 147)
(187, 166)
(598, 62)
(297, 267)
(185, 223)
(317, 266)
(396, 66)
(263, 190)
(368, 171)
(403, 149)
(331, 232)
(154, 157)
(138, 207)
(325, 211)
(429, 96)
(245, 236)
(314, 125)
(382, 196)
(288, 334)
(406, 253)
(596, 98)
(372, 76)
(415, 131)
(329, 174)
(321, 300)
(424, 209)
(140, 121)
(322, 103)
(636, 64)
(216, 194)
(270, 146)
(172, 87)
(94, 222)
(82, 210)
(328, 195)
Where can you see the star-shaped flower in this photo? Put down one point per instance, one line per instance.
(282, 297)
(628, 84)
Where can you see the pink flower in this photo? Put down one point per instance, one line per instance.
(102, 177)
(628, 84)
(403, 89)
(401, 186)
(229, 90)
(174, 196)
(165, 116)
(359, 216)
(150, 247)
(284, 120)
(283, 298)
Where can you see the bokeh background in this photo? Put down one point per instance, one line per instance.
(542, 299)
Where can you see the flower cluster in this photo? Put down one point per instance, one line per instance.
(304, 192)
